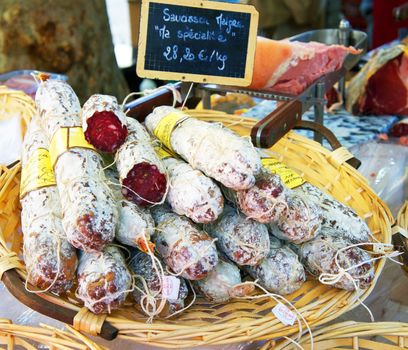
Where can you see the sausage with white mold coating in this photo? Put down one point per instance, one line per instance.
(300, 222)
(191, 193)
(185, 249)
(104, 280)
(89, 213)
(280, 272)
(58, 106)
(269, 201)
(141, 172)
(104, 123)
(142, 266)
(318, 256)
(135, 225)
(223, 284)
(216, 151)
(244, 241)
(50, 260)
(335, 215)
(332, 213)
(264, 202)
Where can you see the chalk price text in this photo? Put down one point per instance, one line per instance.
(173, 53)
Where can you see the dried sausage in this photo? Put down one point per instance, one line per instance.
(104, 123)
(216, 151)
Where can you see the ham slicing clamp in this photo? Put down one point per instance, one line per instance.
(290, 108)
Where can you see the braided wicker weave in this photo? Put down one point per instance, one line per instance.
(30, 338)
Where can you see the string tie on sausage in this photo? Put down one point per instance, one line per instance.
(57, 274)
(138, 195)
(176, 94)
(148, 302)
(200, 254)
(189, 305)
(110, 297)
(122, 186)
(333, 278)
(278, 299)
(271, 209)
(50, 213)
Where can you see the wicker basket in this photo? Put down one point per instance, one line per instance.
(400, 234)
(345, 335)
(352, 335)
(31, 338)
(240, 320)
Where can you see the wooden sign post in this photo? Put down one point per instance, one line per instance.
(197, 41)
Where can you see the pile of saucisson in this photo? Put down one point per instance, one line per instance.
(193, 204)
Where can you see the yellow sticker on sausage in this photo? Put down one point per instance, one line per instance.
(166, 126)
(66, 138)
(37, 172)
(289, 177)
(163, 152)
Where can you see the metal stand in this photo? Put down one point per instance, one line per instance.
(319, 109)
(206, 99)
(275, 125)
(344, 39)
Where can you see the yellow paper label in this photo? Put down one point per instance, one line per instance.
(163, 152)
(66, 138)
(37, 172)
(166, 126)
(289, 177)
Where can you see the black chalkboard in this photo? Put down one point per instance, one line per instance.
(197, 41)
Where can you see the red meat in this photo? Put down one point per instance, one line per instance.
(105, 131)
(387, 89)
(291, 66)
(309, 67)
(333, 97)
(144, 184)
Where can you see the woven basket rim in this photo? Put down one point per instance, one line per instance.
(350, 330)
(187, 334)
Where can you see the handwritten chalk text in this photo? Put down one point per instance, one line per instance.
(171, 17)
(173, 53)
(209, 35)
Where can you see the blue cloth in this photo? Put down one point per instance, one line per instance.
(349, 129)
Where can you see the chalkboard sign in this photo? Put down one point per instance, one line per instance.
(197, 41)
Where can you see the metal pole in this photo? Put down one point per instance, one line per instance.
(319, 109)
(206, 99)
(344, 39)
